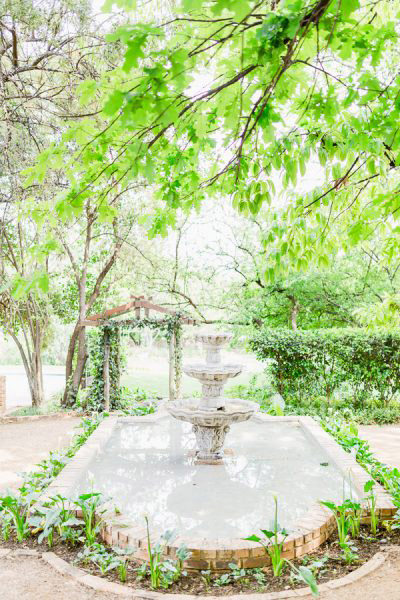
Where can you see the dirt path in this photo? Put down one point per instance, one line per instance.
(384, 441)
(29, 578)
(24, 444)
(383, 584)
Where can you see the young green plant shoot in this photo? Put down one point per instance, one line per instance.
(340, 512)
(163, 573)
(273, 542)
(371, 499)
(305, 575)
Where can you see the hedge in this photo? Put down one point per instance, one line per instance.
(319, 361)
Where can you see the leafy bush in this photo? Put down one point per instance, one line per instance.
(371, 411)
(319, 362)
(138, 401)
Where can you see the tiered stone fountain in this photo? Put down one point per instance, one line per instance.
(212, 414)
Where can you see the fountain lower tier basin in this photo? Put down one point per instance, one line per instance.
(193, 411)
(146, 465)
(211, 425)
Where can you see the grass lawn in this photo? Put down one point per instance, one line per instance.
(151, 372)
(158, 382)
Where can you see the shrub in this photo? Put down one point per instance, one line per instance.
(317, 362)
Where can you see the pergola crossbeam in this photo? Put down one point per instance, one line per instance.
(137, 303)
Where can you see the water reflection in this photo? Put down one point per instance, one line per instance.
(148, 469)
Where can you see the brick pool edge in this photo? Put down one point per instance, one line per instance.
(312, 530)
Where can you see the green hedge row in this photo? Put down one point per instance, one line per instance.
(318, 362)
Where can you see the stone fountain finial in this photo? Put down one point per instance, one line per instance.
(212, 415)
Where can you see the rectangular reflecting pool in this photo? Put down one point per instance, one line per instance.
(148, 469)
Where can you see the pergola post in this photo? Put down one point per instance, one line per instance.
(171, 374)
(118, 360)
(178, 362)
(106, 370)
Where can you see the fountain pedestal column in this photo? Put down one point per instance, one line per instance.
(210, 442)
(212, 415)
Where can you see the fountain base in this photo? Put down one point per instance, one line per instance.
(227, 453)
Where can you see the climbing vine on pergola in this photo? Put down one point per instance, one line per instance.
(106, 355)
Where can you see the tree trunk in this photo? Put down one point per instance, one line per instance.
(294, 311)
(77, 346)
(37, 379)
(69, 366)
(33, 369)
(73, 372)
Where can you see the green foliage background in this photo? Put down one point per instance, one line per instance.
(318, 362)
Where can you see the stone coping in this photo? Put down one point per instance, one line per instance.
(103, 585)
(309, 532)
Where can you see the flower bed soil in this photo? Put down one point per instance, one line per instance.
(195, 583)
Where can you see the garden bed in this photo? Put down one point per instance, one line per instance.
(326, 563)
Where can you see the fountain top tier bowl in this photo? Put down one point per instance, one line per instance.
(213, 339)
(212, 374)
(212, 343)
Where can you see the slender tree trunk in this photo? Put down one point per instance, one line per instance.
(37, 380)
(294, 311)
(69, 366)
(77, 351)
(75, 365)
(33, 366)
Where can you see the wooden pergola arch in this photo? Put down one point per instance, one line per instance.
(140, 306)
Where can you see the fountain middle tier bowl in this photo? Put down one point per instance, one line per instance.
(191, 411)
(212, 373)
